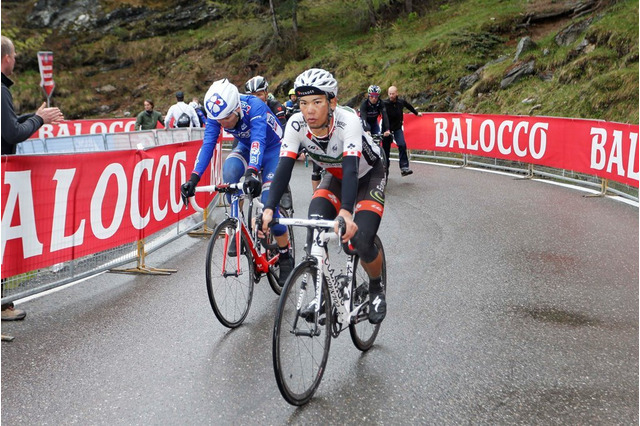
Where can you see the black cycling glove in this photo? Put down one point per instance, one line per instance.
(188, 189)
(252, 183)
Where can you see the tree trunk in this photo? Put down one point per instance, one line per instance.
(294, 19)
(408, 5)
(274, 20)
(372, 13)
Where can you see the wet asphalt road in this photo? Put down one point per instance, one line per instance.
(510, 302)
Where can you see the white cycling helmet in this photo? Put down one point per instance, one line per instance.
(374, 89)
(256, 84)
(316, 81)
(221, 99)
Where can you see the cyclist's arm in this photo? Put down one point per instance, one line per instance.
(350, 164)
(209, 141)
(385, 118)
(281, 179)
(258, 122)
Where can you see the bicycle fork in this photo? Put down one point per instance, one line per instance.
(238, 235)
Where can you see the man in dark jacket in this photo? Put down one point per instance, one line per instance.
(16, 129)
(394, 106)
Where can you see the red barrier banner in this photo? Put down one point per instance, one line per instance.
(86, 127)
(62, 207)
(600, 148)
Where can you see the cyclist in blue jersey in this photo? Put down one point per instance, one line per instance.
(258, 133)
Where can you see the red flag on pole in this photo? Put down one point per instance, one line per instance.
(45, 62)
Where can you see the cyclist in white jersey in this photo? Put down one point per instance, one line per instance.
(353, 186)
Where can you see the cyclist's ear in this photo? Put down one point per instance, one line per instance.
(333, 103)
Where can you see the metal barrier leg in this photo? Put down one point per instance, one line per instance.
(529, 174)
(604, 186)
(465, 159)
(141, 268)
(205, 231)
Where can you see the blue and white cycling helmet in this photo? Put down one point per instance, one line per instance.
(374, 89)
(222, 99)
(316, 81)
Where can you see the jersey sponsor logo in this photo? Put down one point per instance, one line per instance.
(255, 152)
(255, 147)
(356, 153)
(378, 195)
(295, 125)
(273, 122)
(324, 159)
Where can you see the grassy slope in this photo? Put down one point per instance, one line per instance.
(421, 54)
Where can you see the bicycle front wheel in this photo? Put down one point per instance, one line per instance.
(301, 336)
(363, 333)
(230, 279)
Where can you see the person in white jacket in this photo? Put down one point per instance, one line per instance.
(182, 114)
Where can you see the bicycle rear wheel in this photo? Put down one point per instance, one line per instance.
(301, 346)
(274, 270)
(230, 288)
(363, 333)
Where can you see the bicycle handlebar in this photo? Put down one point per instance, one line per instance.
(222, 188)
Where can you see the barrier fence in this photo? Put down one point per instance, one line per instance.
(105, 200)
(68, 213)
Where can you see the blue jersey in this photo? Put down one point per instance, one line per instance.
(257, 130)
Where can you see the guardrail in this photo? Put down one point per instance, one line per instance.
(528, 171)
(109, 141)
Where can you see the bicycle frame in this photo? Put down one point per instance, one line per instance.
(318, 253)
(259, 256)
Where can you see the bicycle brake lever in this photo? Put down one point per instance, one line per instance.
(342, 228)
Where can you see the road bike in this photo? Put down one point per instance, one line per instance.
(231, 277)
(316, 304)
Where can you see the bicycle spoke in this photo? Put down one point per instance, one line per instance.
(300, 353)
(230, 290)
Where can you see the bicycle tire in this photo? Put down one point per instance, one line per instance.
(274, 270)
(363, 333)
(230, 296)
(299, 361)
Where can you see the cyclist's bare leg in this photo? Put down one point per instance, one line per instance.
(374, 268)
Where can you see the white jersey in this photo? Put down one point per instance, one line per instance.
(347, 137)
(177, 109)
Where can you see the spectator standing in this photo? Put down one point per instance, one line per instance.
(394, 106)
(16, 129)
(148, 119)
(182, 114)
